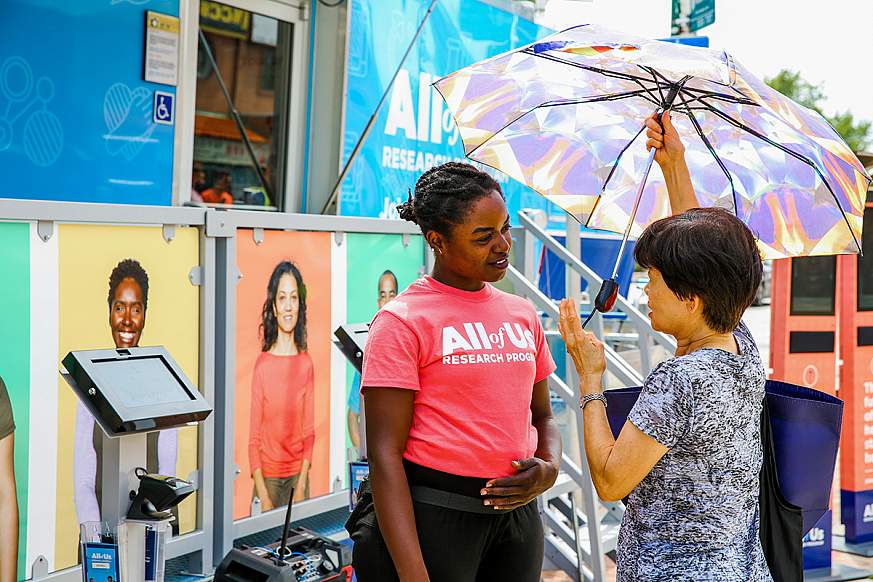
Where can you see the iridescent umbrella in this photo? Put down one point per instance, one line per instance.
(566, 117)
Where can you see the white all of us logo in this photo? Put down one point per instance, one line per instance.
(814, 538)
(868, 513)
(475, 337)
(432, 122)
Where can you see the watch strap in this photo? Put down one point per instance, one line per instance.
(591, 397)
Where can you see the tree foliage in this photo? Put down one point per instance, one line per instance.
(791, 84)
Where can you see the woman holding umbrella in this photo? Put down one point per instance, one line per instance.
(688, 457)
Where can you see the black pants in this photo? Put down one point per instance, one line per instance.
(459, 546)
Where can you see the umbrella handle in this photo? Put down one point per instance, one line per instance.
(660, 114)
(605, 299)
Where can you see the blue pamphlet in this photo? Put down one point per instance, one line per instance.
(100, 562)
(357, 471)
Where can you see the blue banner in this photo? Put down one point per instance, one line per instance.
(76, 118)
(414, 130)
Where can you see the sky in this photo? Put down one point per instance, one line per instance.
(829, 43)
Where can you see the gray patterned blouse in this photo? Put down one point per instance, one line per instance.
(695, 515)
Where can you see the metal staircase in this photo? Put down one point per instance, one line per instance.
(580, 528)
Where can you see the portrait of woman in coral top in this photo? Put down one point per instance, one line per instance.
(283, 385)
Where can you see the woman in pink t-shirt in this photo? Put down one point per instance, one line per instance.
(460, 433)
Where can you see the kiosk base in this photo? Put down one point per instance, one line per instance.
(841, 545)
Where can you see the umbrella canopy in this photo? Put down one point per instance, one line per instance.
(566, 116)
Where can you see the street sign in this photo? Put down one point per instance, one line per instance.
(692, 15)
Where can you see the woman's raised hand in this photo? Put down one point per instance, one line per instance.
(585, 349)
(665, 139)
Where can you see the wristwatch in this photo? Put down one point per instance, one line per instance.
(594, 396)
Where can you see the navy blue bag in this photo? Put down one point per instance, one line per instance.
(805, 426)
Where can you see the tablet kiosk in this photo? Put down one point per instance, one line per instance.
(134, 390)
(130, 392)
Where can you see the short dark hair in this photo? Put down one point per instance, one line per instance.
(706, 253)
(129, 269)
(444, 195)
(269, 325)
(390, 273)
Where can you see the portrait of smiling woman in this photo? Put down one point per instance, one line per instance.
(127, 300)
(282, 432)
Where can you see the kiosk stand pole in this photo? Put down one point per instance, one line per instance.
(121, 456)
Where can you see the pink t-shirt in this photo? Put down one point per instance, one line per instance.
(472, 357)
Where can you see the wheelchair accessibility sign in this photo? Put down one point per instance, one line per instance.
(163, 108)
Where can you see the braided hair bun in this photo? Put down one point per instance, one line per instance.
(407, 209)
(444, 195)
